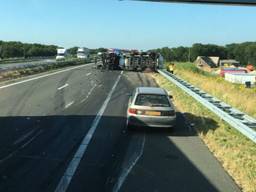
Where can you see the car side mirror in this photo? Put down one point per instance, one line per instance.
(170, 96)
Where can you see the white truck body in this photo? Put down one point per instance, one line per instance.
(82, 53)
(160, 62)
(61, 54)
(240, 78)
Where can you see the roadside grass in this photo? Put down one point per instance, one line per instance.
(17, 73)
(10, 61)
(235, 152)
(236, 95)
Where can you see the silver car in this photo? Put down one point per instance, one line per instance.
(150, 107)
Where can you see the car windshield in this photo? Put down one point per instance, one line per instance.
(152, 100)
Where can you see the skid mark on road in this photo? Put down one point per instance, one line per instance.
(132, 161)
(24, 137)
(89, 93)
(21, 147)
(32, 139)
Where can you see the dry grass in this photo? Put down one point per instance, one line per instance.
(236, 153)
(236, 95)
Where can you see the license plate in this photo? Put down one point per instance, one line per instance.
(153, 113)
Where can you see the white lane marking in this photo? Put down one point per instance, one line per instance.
(64, 86)
(71, 169)
(127, 170)
(88, 74)
(43, 76)
(89, 93)
(69, 104)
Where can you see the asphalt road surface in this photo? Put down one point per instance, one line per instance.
(66, 131)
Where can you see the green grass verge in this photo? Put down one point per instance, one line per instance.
(192, 68)
(235, 152)
(236, 95)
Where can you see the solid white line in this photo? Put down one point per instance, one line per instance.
(88, 74)
(72, 167)
(126, 172)
(64, 86)
(69, 104)
(43, 76)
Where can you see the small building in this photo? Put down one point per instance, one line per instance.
(229, 63)
(207, 63)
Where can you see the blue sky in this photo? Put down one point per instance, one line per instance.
(124, 24)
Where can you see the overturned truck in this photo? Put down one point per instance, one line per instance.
(132, 61)
(144, 61)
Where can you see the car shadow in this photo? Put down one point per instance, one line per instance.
(187, 125)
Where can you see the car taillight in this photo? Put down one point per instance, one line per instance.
(132, 111)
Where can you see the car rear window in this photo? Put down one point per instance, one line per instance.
(152, 100)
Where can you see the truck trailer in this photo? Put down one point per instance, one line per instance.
(61, 54)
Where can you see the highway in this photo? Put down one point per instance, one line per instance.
(66, 131)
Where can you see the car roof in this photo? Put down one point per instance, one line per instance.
(151, 90)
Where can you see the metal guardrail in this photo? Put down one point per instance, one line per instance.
(237, 119)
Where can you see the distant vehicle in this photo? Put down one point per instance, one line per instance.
(150, 107)
(122, 61)
(160, 62)
(61, 54)
(82, 53)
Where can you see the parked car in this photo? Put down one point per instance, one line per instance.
(150, 107)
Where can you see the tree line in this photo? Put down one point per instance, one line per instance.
(12, 49)
(16, 49)
(245, 53)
